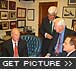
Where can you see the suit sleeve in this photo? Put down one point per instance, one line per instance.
(23, 49)
(4, 50)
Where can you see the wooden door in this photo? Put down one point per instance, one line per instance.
(43, 11)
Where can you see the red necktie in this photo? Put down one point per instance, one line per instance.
(16, 51)
(58, 48)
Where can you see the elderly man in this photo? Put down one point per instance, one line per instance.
(56, 45)
(70, 46)
(47, 30)
(14, 47)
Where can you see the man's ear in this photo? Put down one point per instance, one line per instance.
(73, 46)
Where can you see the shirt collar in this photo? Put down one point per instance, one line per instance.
(70, 53)
(14, 41)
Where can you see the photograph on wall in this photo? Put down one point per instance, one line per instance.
(30, 14)
(3, 15)
(5, 25)
(74, 25)
(68, 12)
(13, 24)
(21, 12)
(21, 23)
(12, 5)
(72, 2)
(21, 29)
(0, 25)
(3, 4)
(12, 15)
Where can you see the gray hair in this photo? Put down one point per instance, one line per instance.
(60, 21)
(52, 10)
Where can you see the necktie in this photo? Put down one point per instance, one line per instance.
(15, 51)
(51, 26)
(58, 47)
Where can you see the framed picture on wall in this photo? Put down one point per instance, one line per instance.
(3, 4)
(21, 29)
(71, 2)
(3, 15)
(12, 15)
(21, 23)
(5, 25)
(30, 14)
(12, 5)
(74, 25)
(21, 12)
(0, 25)
(13, 24)
(68, 12)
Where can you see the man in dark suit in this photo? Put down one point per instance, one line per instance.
(70, 46)
(47, 30)
(9, 46)
(56, 45)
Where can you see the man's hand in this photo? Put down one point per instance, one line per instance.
(48, 55)
(49, 36)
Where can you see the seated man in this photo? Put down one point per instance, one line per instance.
(14, 47)
(70, 46)
(56, 45)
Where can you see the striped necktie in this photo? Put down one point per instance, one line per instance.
(58, 47)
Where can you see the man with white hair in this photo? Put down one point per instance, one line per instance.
(14, 47)
(56, 45)
(47, 30)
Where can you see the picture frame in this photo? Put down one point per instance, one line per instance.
(71, 2)
(3, 4)
(3, 15)
(74, 25)
(13, 24)
(68, 12)
(21, 23)
(21, 12)
(21, 29)
(4, 25)
(12, 5)
(0, 25)
(12, 15)
(30, 14)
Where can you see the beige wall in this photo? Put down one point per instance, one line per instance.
(35, 5)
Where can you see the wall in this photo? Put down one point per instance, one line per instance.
(35, 5)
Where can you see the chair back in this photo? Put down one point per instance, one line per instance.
(34, 45)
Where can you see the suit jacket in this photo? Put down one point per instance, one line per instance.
(54, 42)
(45, 28)
(7, 48)
(73, 54)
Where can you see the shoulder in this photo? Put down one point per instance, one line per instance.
(57, 17)
(21, 41)
(45, 18)
(73, 54)
(7, 41)
(69, 30)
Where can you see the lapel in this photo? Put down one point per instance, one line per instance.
(19, 47)
(65, 34)
(10, 49)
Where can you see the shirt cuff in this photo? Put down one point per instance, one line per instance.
(48, 54)
(45, 35)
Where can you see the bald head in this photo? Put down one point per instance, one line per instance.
(15, 34)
